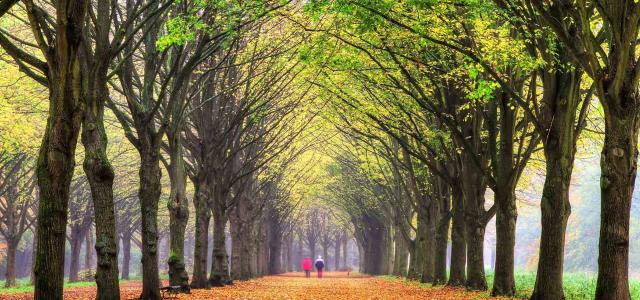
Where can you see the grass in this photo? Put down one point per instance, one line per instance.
(24, 284)
(577, 286)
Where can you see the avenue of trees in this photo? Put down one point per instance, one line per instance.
(228, 139)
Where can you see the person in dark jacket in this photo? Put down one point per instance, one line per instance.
(319, 266)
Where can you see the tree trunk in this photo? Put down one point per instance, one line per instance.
(149, 195)
(428, 245)
(413, 271)
(476, 279)
(178, 211)
(34, 248)
(300, 255)
(312, 250)
(458, 244)
(325, 256)
(400, 255)
(56, 160)
(504, 280)
(10, 275)
(219, 263)
(442, 240)
(55, 170)
(345, 242)
(506, 176)
(275, 251)
(373, 246)
(76, 240)
(242, 240)
(556, 209)
(201, 247)
(126, 256)
(242, 249)
(336, 254)
(88, 251)
(100, 176)
(475, 225)
(618, 165)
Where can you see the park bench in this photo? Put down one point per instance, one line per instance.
(172, 291)
(347, 269)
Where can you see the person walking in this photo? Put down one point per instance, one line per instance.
(319, 266)
(306, 266)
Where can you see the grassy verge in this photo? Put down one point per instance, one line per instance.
(577, 286)
(24, 284)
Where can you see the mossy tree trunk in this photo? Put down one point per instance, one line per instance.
(178, 207)
(149, 194)
(219, 263)
(56, 160)
(96, 164)
(203, 216)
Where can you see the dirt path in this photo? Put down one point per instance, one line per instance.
(294, 286)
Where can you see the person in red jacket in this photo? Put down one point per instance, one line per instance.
(307, 264)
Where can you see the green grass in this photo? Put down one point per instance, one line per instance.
(577, 286)
(24, 284)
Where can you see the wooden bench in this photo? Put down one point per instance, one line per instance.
(171, 292)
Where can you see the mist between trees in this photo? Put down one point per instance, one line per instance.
(213, 141)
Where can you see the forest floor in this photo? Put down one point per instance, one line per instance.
(334, 285)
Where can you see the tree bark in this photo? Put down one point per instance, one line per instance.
(345, 242)
(75, 240)
(275, 251)
(300, 255)
(242, 250)
(504, 280)
(618, 164)
(458, 244)
(201, 247)
(413, 271)
(100, 175)
(325, 256)
(475, 224)
(126, 256)
(56, 161)
(504, 194)
(178, 210)
(242, 240)
(442, 239)
(428, 240)
(219, 263)
(10, 274)
(400, 254)
(149, 195)
(560, 103)
(88, 251)
(336, 255)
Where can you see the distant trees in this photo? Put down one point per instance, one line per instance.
(18, 201)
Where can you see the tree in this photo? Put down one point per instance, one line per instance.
(614, 73)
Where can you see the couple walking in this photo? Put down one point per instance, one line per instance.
(306, 266)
